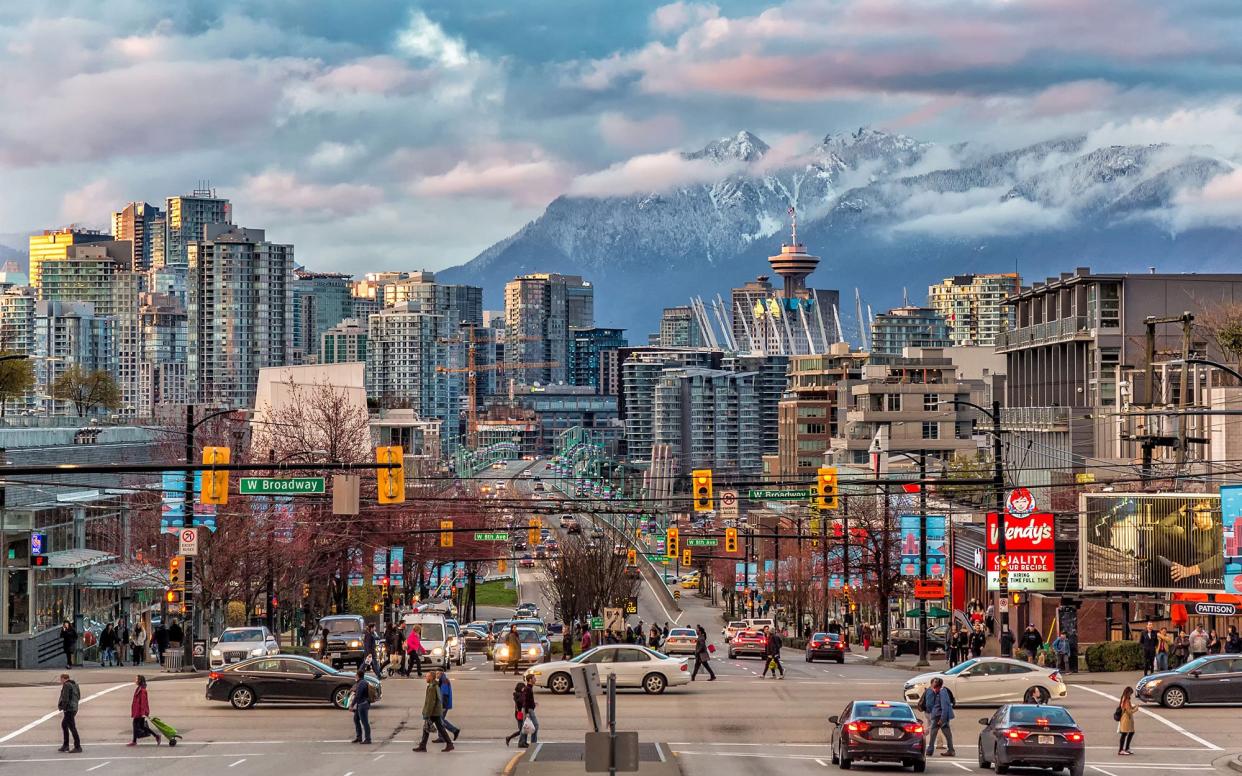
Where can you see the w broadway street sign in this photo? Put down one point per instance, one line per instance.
(285, 486)
(778, 494)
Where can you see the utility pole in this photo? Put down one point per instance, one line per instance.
(845, 558)
(823, 543)
(998, 480)
(187, 521)
(922, 558)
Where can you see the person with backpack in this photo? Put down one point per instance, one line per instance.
(772, 653)
(68, 707)
(361, 704)
(446, 696)
(937, 702)
(702, 656)
(433, 713)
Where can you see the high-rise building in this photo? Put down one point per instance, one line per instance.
(973, 306)
(709, 419)
(86, 274)
(185, 217)
(587, 350)
(770, 380)
(540, 312)
(908, 327)
(321, 300)
(814, 407)
(405, 345)
(680, 329)
(17, 331)
(640, 371)
(142, 225)
(344, 343)
(53, 245)
(67, 335)
(240, 312)
(128, 288)
(163, 368)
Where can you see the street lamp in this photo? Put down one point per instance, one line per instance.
(1200, 361)
(922, 570)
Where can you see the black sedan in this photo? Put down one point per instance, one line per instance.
(1211, 679)
(825, 646)
(1032, 736)
(906, 640)
(283, 679)
(878, 731)
(477, 637)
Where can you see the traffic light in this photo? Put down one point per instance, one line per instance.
(215, 483)
(176, 572)
(826, 488)
(701, 481)
(1017, 598)
(532, 535)
(502, 566)
(671, 544)
(631, 557)
(1002, 574)
(446, 533)
(390, 481)
(306, 590)
(685, 557)
(172, 596)
(730, 540)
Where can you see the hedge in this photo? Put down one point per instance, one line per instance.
(1115, 656)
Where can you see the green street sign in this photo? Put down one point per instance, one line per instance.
(654, 557)
(778, 494)
(701, 542)
(498, 536)
(597, 623)
(281, 486)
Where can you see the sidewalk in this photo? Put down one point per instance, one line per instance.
(938, 663)
(90, 674)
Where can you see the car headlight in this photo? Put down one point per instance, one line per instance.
(355, 644)
(316, 644)
(534, 651)
(504, 652)
(1152, 683)
(452, 642)
(437, 651)
(257, 652)
(216, 653)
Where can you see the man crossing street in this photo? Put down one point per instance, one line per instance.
(772, 653)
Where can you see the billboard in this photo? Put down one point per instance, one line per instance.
(910, 539)
(1148, 542)
(1231, 517)
(1030, 532)
(1029, 542)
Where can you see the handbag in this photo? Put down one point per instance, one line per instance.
(528, 727)
(711, 648)
(1117, 714)
(519, 715)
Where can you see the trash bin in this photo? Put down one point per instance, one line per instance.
(173, 661)
(888, 652)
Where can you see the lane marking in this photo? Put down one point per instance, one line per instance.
(1101, 770)
(821, 762)
(97, 767)
(49, 715)
(378, 757)
(1169, 723)
(960, 765)
(239, 762)
(135, 757)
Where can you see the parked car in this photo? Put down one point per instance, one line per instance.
(680, 641)
(237, 644)
(878, 731)
(345, 636)
(906, 640)
(1031, 736)
(286, 678)
(633, 665)
(825, 646)
(1210, 679)
(747, 642)
(992, 681)
(730, 630)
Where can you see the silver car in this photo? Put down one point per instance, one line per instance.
(237, 644)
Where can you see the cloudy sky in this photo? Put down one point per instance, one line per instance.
(384, 135)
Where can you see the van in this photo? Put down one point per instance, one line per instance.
(434, 632)
(758, 624)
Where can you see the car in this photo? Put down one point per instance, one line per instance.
(906, 640)
(731, 629)
(878, 731)
(501, 486)
(526, 562)
(748, 642)
(570, 525)
(758, 624)
(475, 637)
(237, 644)
(433, 631)
(283, 678)
(992, 681)
(825, 646)
(533, 648)
(456, 644)
(520, 545)
(632, 664)
(345, 637)
(680, 641)
(541, 552)
(690, 582)
(1032, 736)
(539, 486)
(1210, 679)
(526, 610)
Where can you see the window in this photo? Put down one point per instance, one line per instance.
(297, 667)
(931, 402)
(931, 430)
(894, 402)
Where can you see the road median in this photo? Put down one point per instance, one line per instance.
(569, 758)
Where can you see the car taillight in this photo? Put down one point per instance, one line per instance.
(815, 644)
(913, 727)
(1055, 676)
(1074, 736)
(684, 667)
(213, 675)
(1015, 735)
(859, 726)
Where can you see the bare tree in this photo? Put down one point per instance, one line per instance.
(588, 577)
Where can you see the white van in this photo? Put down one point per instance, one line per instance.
(434, 633)
(758, 624)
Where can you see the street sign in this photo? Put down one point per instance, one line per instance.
(38, 544)
(728, 503)
(778, 494)
(700, 542)
(1210, 608)
(284, 486)
(597, 623)
(929, 589)
(614, 619)
(188, 540)
(495, 536)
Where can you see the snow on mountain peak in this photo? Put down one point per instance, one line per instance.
(742, 147)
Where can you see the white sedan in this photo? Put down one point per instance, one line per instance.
(993, 681)
(633, 665)
(681, 641)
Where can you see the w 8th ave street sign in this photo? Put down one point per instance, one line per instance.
(283, 486)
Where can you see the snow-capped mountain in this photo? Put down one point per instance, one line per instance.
(884, 211)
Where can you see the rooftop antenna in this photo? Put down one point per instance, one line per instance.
(793, 215)
(905, 297)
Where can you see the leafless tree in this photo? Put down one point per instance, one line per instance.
(588, 577)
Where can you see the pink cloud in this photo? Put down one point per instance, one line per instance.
(88, 205)
(282, 191)
(374, 75)
(523, 176)
(677, 16)
(1072, 97)
(1218, 203)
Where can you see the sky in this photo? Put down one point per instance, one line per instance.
(380, 135)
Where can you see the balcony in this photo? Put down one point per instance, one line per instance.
(1076, 327)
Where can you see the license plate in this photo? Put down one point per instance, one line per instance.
(230, 660)
(335, 655)
(885, 732)
(1046, 739)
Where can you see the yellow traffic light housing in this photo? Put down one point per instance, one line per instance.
(502, 566)
(532, 535)
(826, 488)
(176, 572)
(1017, 598)
(390, 480)
(701, 482)
(172, 596)
(671, 543)
(631, 557)
(685, 557)
(446, 533)
(730, 540)
(215, 483)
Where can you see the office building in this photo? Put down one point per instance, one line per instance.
(240, 312)
(68, 335)
(973, 306)
(343, 343)
(679, 328)
(770, 380)
(185, 217)
(540, 312)
(709, 419)
(321, 300)
(587, 356)
(908, 327)
(143, 226)
(813, 408)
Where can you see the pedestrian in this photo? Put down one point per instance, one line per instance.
(68, 641)
(1061, 647)
(664, 632)
(524, 697)
(139, 710)
(1032, 643)
(323, 643)
(586, 639)
(1198, 642)
(1125, 721)
(1164, 646)
(519, 697)
(1214, 643)
(446, 697)
(159, 639)
(107, 646)
(514, 644)
(176, 635)
(977, 640)
(1149, 640)
(962, 642)
(414, 650)
(866, 636)
(370, 647)
(702, 656)
(68, 706)
(1181, 649)
(122, 640)
(989, 620)
(610, 637)
(656, 639)
(433, 710)
(1233, 641)
(938, 703)
(641, 632)
(138, 644)
(360, 702)
(772, 653)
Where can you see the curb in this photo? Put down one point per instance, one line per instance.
(1235, 762)
(87, 679)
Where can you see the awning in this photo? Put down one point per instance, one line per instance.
(77, 559)
(116, 576)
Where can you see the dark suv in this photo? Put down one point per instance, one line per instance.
(345, 638)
